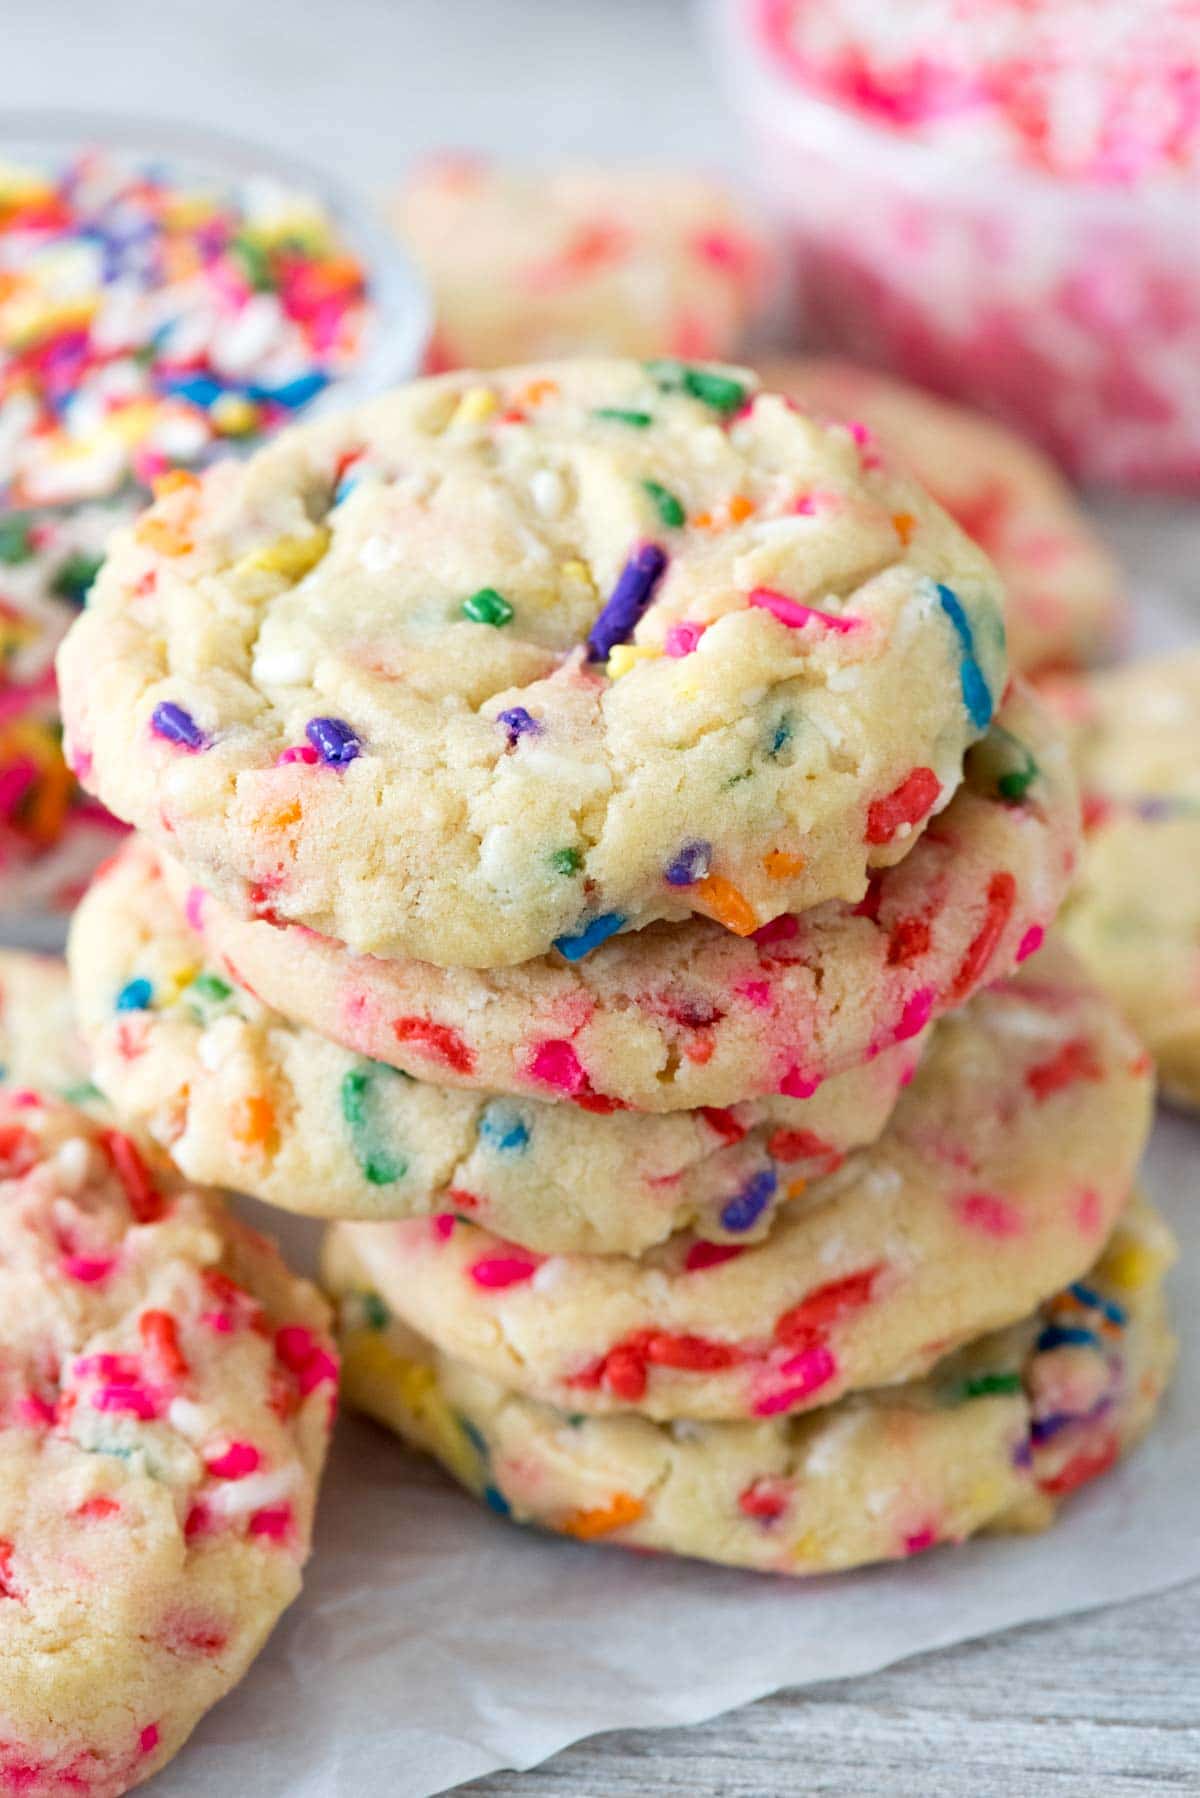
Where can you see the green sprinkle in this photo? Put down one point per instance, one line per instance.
(721, 392)
(487, 607)
(1003, 763)
(377, 1163)
(16, 539)
(211, 986)
(622, 415)
(73, 579)
(986, 1384)
(566, 861)
(256, 264)
(82, 1094)
(375, 1313)
(666, 505)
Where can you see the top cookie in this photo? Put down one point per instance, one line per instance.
(1064, 603)
(486, 668)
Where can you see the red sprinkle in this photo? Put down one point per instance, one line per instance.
(911, 801)
(1087, 1465)
(826, 1305)
(766, 1499)
(711, 1254)
(159, 1333)
(145, 1201)
(1076, 1060)
(724, 1123)
(436, 1040)
(1001, 898)
(796, 1145)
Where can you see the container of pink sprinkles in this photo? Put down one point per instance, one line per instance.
(999, 199)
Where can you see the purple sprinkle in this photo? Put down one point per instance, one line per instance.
(177, 726)
(519, 723)
(333, 741)
(630, 597)
(693, 863)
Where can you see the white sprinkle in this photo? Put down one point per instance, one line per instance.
(232, 1498)
(72, 1162)
(188, 1419)
(547, 492)
(377, 555)
(281, 667)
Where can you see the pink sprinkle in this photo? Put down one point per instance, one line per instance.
(443, 1225)
(711, 1254)
(555, 1063)
(681, 639)
(988, 1212)
(273, 1521)
(234, 1462)
(755, 992)
(1089, 1214)
(779, 930)
(798, 1085)
(920, 1540)
(1031, 942)
(298, 752)
(119, 1368)
(503, 1270)
(796, 615)
(135, 1399)
(88, 1269)
(916, 1014)
(305, 1357)
(148, 1740)
(815, 1367)
(219, 1322)
(32, 1408)
(194, 908)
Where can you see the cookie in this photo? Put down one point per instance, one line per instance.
(486, 669)
(51, 834)
(40, 1045)
(526, 264)
(995, 1438)
(1134, 911)
(1065, 607)
(673, 1018)
(166, 1390)
(240, 1097)
(1001, 1172)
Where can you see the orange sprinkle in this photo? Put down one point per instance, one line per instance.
(586, 1525)
(738, 508)
(699, 1049)
(280, 820)
(702, 521)
(173, 481)
(164, 535)
(535, 393)
(723, 902)
(252, 1120)
(904, 524)
(796, 1188)
(779, 865)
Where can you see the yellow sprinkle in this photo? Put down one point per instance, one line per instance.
(234, 415)
(575, 570)
(130, 424)
(476, 404)
(624, 656)
(291, 557)
(181, 978)
(176, 480)
(1130, 1265)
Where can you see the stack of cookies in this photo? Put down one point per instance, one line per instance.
(590, 850)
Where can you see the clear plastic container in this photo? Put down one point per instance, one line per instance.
(40, 877)
(1071, 310)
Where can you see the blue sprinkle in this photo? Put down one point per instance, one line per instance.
(1066, 1336)
(629, 598)
(782, 736)
(177, 726)
(1023, 1454)
(975, 692)
(747, 1207)
(518, 723)
(474, 1436)
(1109, 1308)
(135, 995)
(198, 389)
(345, 488)
(574, 948)
(292, 393)
(503, 1128)
(495, 1501)
(691, 864)
(1042, 1429)
(333, 741)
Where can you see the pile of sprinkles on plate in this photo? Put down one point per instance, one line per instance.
(146, 322)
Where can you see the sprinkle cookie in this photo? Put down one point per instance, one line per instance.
(486, 669)
(1134, 912)
(166, 1390)
(240, 1097)
(995, 1438)
(1064, 603)
(1001, 1172)
(525, 265)
(675, 1018)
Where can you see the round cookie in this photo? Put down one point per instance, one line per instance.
(579, 261)
(672, 1018)
(1133, 913)
(482, 670)
(40, 1045)
(1064, 603)
(166, 1391)
(999, 1176)
(995, 1438)
(240, 1097)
